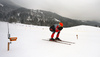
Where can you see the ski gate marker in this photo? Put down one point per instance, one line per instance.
(10, 38)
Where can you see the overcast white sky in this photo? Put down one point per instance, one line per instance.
(75, 9)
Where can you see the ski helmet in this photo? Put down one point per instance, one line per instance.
(61, 24)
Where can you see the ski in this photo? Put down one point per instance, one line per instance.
(61, 42)
(68, 42)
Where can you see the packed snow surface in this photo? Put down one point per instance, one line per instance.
(30, 43)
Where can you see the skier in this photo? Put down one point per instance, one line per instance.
(56, 28)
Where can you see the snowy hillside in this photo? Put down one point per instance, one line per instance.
(30, 43)
(1, 5)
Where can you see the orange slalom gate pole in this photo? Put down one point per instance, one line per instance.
(8, 46)
(77, 36)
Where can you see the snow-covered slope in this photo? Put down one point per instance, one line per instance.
(30, 43)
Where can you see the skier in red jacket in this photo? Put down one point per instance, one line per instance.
(56, 28)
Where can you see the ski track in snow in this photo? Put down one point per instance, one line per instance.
(30, 43)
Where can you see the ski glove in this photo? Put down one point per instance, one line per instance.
(60, 28)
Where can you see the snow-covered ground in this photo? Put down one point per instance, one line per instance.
(30, 43)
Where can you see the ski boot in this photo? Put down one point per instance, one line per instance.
(57, 39)
(51, 39)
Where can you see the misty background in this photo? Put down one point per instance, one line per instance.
(49, 12)
(75, 9)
